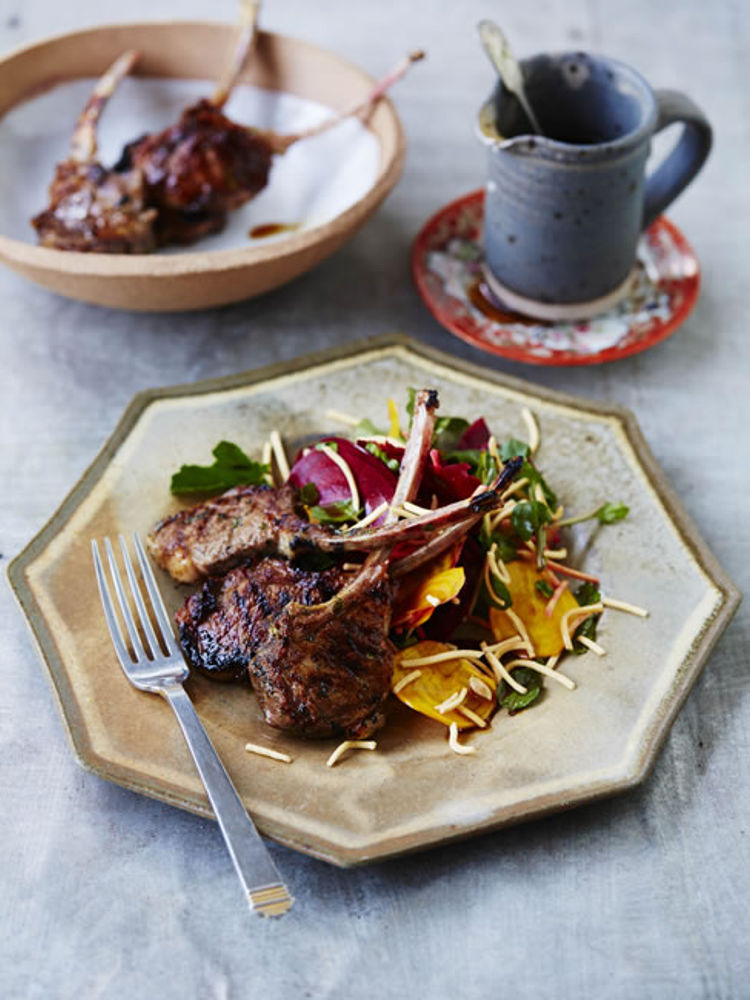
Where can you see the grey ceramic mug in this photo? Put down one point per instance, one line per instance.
(563, 212)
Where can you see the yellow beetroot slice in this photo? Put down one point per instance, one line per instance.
(531, 606)
(437, 682)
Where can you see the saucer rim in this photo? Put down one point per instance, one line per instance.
(665, 329)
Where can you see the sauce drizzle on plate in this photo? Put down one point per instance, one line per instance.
(266, 229)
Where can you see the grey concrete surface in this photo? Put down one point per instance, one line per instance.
(109, 895)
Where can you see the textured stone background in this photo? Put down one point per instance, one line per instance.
(107, 894)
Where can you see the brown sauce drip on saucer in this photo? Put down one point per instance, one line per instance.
(486, 306)
(272, 229)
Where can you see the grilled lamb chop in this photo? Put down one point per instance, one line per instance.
(203, 166)
(253, 521)
(90, 207)
(316, 647)
(325, 669)
(223, 623)
(246, 522)
(249, 522)
(97, 209)
(198, 170)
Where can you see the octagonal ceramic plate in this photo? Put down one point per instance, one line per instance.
(413, 792)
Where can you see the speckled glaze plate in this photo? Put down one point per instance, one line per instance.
(447, 259)
(413, 792)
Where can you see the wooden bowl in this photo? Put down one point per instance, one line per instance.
(193, 278)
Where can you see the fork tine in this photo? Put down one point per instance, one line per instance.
(162, 617)
(115, 631)
(143, 616)
(139, 652)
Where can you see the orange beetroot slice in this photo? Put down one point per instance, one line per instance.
(425, 589)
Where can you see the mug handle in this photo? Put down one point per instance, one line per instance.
(685, 160)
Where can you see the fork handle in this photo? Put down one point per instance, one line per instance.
(249, 855)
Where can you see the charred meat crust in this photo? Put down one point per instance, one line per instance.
(315, 646)
(96, 210)
(205, 163)
(221, 625)
(325, 670)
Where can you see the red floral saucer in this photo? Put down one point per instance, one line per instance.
(447, 259)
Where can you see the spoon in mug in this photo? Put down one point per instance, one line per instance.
(496, 46)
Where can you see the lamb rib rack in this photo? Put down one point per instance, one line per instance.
(175, 186)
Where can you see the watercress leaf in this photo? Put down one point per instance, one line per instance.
(517, 702)
(587, 593)
(587, 628)
(507, 547)
(366, 428)
(485, 538)
(529, 471)
(391, 463)
(528, 516)
(197, 479)
(609, 513)
(231, 467)
(544, 588)
(335, 513)
(513, 700)
(512, 448)
(309, 494)
(448, 432)
(487, 468)
(228, 453)
(501, 591)
(468, 455)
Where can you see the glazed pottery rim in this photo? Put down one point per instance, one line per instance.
(196, 260)
(545, 145)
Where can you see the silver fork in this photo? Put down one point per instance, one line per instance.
(149, 668)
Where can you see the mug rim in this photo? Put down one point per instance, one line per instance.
(592, 150)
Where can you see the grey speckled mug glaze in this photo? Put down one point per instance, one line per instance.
(564, 211)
